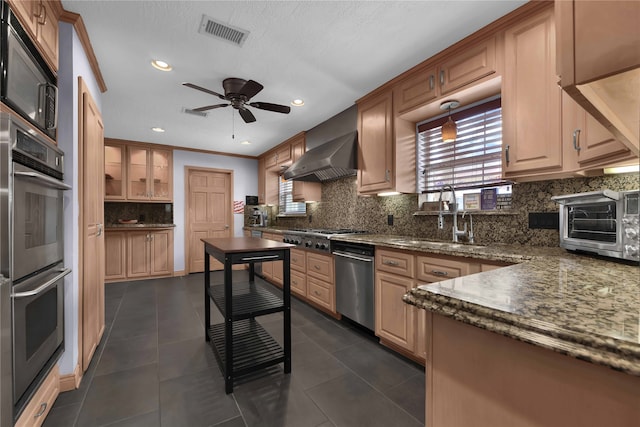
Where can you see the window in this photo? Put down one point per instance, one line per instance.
(287, 205)
(473, 160)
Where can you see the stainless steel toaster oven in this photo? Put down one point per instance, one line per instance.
(602, 222)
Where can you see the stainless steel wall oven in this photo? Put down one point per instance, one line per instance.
(32, 252)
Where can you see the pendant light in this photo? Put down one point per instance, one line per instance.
(449, 129)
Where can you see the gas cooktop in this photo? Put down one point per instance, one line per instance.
(315, 238)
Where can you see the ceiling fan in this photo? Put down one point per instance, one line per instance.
(238, 92)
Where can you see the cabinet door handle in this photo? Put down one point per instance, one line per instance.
(100, 229)
(432, 81)
(317, 267)
(441, 77)
(439, 273)
(506, 154)
(387, 175)
(43, 408)
(576, 139)
(393, 263)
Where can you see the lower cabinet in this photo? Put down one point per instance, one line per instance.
(321, 288)
(38, 408)
(138, 254)
(298, 272)
(402, 326)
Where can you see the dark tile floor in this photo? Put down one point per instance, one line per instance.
(153, 368)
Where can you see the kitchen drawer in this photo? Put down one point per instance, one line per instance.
(400, 263)
(435, 269)
(40, 404)
(320, 266)
(321, 293)
(298, 283)
(298, 260)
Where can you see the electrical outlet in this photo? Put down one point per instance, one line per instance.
(389, 219)
(544, 220)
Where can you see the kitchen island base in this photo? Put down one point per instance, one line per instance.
(481, 378)
(240, 344)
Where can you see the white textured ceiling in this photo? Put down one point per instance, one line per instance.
(328, 53)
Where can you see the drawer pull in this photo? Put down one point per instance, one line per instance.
(317, 293)
(317, 267)
(394, 263)
(43, 408)
(295, 282)
(294, 259)
(439, 273)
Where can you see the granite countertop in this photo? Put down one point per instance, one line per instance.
(139, 225)
(582, 306)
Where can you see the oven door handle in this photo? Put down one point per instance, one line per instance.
(350, 256)
(52, 182)
(43, 287)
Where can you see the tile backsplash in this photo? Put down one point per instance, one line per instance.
(149, 213)
(341, 207)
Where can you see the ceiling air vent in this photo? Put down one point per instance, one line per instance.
(213, 28)
(194, 113)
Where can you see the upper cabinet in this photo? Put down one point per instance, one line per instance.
(376, 144)
(431, 81)
(599, 62)
(40, 19)
(270, 168)
(531, 98)
(114, 171)
(137, 172)
(149, 173)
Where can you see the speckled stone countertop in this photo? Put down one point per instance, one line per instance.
(585, 307)
(135, 226)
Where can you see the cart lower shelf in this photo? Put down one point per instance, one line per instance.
(253, 347)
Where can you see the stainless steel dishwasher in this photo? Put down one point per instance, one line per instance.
(355, 293)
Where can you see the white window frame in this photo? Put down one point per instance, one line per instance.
(287, 206)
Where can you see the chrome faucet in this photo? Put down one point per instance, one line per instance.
(471, 239)
(456, 233)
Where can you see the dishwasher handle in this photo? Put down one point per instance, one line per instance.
(352, 256)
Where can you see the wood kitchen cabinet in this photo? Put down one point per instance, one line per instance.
(149, 174)
(586, 142)
(321, 288)
(273, 270)
(138, 254)
(137, 172)
(150, 253)
(115, 245)
(40, 21)
(375, 144)
(115, 171)
(298, 272)
(531, 101)
(434, 80)
(303, 191)
(599, 62)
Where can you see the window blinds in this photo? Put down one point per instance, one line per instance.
(287, 205)
(473, 160)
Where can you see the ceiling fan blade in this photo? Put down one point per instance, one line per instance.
(271, 107)
(246, 115)
(210, 107)
(192, 86)
(250, 89)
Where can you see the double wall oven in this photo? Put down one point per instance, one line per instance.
(31, 174)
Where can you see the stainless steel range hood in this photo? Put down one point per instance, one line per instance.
(332, 160)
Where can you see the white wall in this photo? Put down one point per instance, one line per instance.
(72, 63)
(245, 183)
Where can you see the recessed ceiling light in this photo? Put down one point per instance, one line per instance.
(297, 102)
(157, 129)
(245, 142)
(161, 65)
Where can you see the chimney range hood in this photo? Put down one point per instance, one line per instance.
(331, 160)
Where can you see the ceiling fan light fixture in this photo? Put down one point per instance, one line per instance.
(297, 102)
(449, 128)
(161, 65)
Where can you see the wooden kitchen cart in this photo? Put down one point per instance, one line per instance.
(240, 344)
